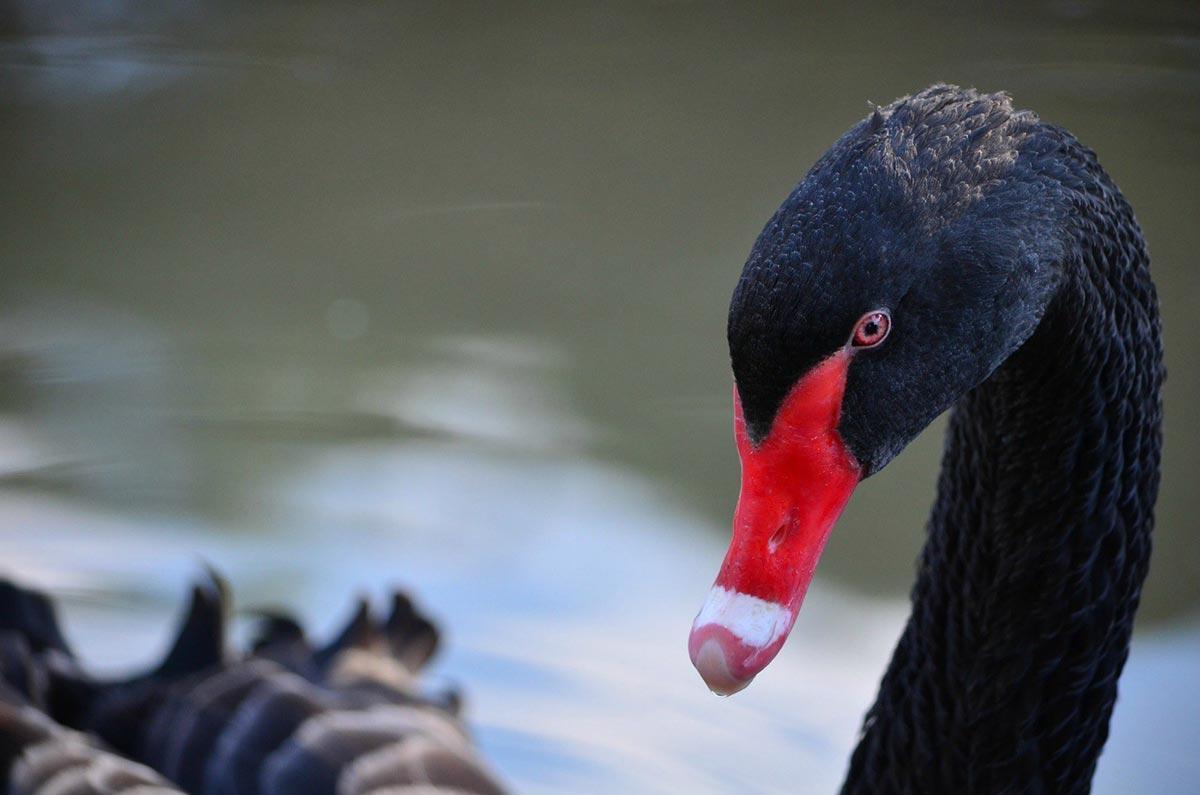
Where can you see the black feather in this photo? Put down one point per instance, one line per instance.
(358, 633)
(31, 615)
(413, 639)
(200, 640)
(1019, 288)
(284, 720)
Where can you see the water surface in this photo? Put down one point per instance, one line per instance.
(344, 296)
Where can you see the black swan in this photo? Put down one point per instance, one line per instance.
(950, 251)
(947, 251)
(287, 718)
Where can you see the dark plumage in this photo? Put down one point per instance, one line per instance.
(289, 718)
(40, 757)
(1020, 291)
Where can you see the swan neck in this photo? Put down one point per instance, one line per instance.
(1038, 545)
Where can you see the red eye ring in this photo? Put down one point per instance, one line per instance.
(871, 329)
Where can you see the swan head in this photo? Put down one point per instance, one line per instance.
(915, 257)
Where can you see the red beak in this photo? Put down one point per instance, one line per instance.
(795, 483)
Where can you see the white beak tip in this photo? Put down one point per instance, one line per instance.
(714, 669)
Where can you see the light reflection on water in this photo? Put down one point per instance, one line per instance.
(338, 295)
(565, 587)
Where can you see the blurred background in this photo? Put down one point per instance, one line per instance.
(340, 296)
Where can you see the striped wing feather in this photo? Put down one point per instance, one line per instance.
(287, 718)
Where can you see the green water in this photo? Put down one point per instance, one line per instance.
(241, 241)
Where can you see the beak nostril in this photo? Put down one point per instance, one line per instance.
(778, 536)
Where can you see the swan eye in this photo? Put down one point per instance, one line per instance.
(872, 329)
